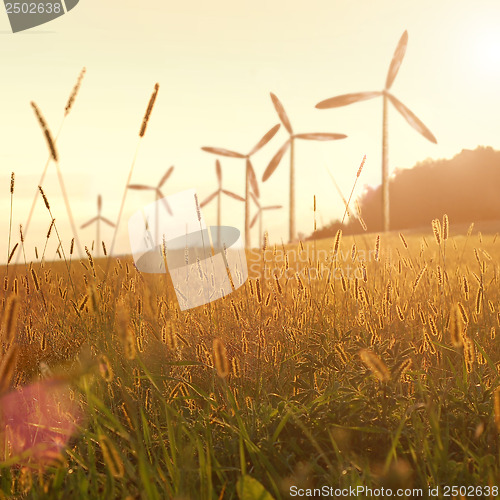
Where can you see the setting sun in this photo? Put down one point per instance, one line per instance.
(487, 51)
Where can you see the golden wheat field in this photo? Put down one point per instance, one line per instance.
(367, 362)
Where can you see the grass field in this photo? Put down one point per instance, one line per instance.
(384, 375)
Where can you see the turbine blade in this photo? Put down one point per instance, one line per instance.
(411, 118)
(321, 137)
(253, 179)
(223, 152)
(167, 206)
(141, 187)
(255, 199)
(273, 164)
(107, 221)
(345, 99)
(91, 221)
(397, 59)
(254, 220)
(165, 202)
(99, 203)
(265, 139)
(233, 195)
(218, 171)
(165, 177)
(282, 113)
(207, 200)
(273, 207)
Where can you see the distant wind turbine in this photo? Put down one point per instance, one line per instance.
(409, 116)
(218, 194)
(98, 220)
(158, 193)
(250, 178)
(290, 143)
(258, 215)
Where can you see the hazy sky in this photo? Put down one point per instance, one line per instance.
(216, 63)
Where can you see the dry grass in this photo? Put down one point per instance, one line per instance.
(386, 362)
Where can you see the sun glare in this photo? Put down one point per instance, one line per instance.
(487, 52)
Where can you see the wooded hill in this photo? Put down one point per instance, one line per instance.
(466, 187)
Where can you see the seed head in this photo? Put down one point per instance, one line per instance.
(445, 227)
(149, 110)
(74, 92)
(44, 198)
(375, 364)
(48, 136)
(496, 405)
(220, 358)
(436, 229)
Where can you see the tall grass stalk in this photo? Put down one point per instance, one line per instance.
(142, 132)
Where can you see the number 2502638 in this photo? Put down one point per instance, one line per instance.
(34, 8)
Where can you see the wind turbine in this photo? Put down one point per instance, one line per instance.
(258, 215)
(218, 193)
(98, 219)
(409, 116)
(158, 193)
(250, 178)
(290, 143)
